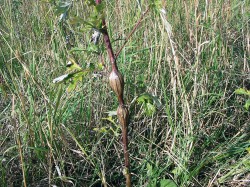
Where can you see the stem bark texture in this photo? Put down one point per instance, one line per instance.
(117, 84)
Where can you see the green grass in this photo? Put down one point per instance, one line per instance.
(198, 137)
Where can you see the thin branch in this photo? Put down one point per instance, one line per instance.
(108, 42)
(132, 32)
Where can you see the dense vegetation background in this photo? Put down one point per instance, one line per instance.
(186, 122)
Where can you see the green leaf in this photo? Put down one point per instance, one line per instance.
(150, 168)
(73, 66)
(101, 130)
(115, 131)
(155, 4)
(150, 109)
(94, 21)
(110, 119)
(149, 103)
(248, 150)
(78, 20)
(99, 8)
(75, 75)
(92, 49)
(107, 130)
(153, 183)
(175, 171)
(145, 98)
(167, 183)
(100, 66)
(242, 91)
(72, 86)
(247, 104)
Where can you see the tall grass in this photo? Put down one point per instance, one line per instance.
(199, 136)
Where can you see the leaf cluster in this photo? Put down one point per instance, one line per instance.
(149, 103)
(154, 177)
(75, 74)
(243, 91)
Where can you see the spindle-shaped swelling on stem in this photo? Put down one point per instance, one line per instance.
(123, 115)
(116, 83)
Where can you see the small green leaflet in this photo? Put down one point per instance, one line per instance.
(149, 103)
(242, 91)
(167, 183)
(77, 20)
(155, 4)
(66, 77)
(74, 75)
(93, 22)
(72, 66)
(247, 104)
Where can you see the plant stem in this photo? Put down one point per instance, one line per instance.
(126, 154)
(109, 46)
(132, 32)
(123, 114)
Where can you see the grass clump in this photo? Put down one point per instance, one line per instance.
(183, 65)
